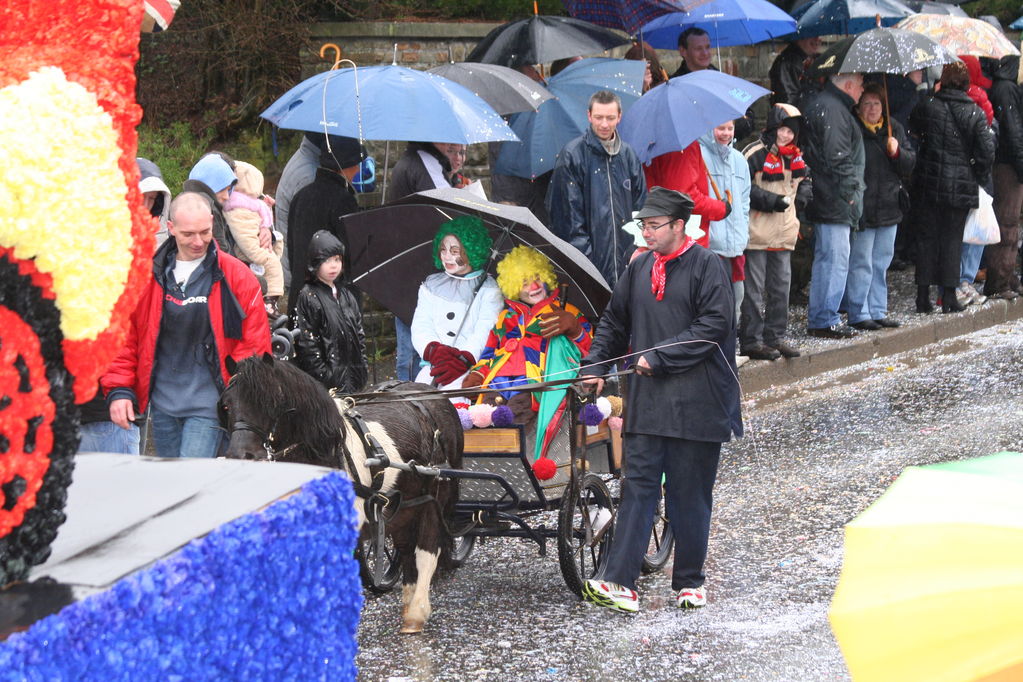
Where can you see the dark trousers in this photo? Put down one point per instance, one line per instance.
(765, 306)
(1001, 257)
(689, 468)
(939, 243)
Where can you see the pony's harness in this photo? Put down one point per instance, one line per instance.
(266, 438)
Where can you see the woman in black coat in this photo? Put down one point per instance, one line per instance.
(955, 156)
(330, 345)
(888, 160)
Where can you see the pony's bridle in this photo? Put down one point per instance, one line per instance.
(266, 438)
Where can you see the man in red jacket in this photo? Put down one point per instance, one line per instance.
(201, 306)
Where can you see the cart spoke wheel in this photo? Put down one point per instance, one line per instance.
(462, 548)
(585, 530)
(662, 542)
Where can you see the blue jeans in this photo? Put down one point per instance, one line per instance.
(688, 468)
(406, 360)
(827, 278)
(186, 436)
(866, 289)
(969, 262)
(108, 437)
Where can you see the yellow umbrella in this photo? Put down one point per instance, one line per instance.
(932, 582)
(961, 35)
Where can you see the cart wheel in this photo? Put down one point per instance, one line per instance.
(379, 560)
(462, 549)
(581, 552)
(662, 541)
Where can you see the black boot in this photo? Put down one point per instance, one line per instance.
(923, 300)
(949, 302)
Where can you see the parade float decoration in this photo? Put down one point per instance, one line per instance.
(271, 593)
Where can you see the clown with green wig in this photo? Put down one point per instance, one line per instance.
(457, 306)
(536, 337)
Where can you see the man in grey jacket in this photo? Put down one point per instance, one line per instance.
(833, 147)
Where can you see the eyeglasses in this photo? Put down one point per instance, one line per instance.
(645, 226)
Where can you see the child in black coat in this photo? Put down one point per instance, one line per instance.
(329, 344)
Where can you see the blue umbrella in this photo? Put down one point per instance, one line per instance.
(1017, 25)
(729, 22)
(558, 121)
(673, 115)
(846, 17)
(388, 103)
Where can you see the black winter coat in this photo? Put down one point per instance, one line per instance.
(1007, 99)
(693, 392)
(786, 73)
(833, 146)
(330, 345)
(956, 149)
(884, 175)
(409, 175)
(317, 206)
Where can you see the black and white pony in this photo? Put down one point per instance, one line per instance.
(274, 410)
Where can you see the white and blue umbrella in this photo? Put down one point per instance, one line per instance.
(560, 120)
(388, 103)
(671, 116)
(727, 22)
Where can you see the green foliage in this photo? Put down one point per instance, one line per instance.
(174, 149)
(1007, 11)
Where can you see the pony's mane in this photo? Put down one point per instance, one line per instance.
(273, 389)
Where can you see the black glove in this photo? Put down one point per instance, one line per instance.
(781, 203)
(728, 209)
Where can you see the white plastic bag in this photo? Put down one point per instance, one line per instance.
(981, 224)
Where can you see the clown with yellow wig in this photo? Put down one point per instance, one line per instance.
(536, 337)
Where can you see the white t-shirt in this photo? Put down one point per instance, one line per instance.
(183, 269)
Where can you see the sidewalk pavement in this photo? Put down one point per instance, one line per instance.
(917, 330)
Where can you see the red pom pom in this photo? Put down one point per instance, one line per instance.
(545, 468)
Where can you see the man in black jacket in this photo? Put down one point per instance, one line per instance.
(320, 205)
(1007, 99)
(675, 309)
(789, 70)
(833, 146)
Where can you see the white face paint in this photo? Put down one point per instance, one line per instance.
(452, 256)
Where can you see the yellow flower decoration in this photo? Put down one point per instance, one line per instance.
(55, 134)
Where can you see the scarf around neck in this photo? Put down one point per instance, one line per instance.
(774, 165)
(658, 276)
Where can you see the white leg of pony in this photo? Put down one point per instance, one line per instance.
(407, 592)
(419, 609)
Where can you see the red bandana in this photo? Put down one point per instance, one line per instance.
(658, 277)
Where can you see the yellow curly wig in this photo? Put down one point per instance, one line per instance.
(523, 264)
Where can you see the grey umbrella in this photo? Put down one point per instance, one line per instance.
(508, 91)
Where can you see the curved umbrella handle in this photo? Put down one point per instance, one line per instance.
(337, 53)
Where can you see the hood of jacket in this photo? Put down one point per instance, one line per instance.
(250, 179)
(782, 115)
(322, 246)
(1008, 69)
(712, 146)
(151, 180)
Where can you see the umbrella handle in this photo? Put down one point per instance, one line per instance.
(337, 53)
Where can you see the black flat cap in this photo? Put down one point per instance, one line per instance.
(666, 202)
(344, 152)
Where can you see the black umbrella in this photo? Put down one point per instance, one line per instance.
(508, 91)
(881, 50)
(391, 248)
(541, 39)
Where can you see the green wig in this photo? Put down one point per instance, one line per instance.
(475, 239)
(523, 264)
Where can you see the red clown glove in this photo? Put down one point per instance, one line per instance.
(449, 366)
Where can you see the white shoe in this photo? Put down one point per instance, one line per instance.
(611, 596)
(741, 360)
(963, 294)
(975, 296)
(691, 598)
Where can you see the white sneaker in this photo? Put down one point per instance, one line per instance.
(963, 294)
(691, 598)
(975, 296)
(741, 360)
(611, 595)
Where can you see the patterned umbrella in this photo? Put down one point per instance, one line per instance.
(881, 50)
(961, 35)
(158, 15)
(627, 15)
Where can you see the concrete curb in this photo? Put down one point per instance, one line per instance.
(760, 375)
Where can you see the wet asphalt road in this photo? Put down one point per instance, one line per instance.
(816, 454)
